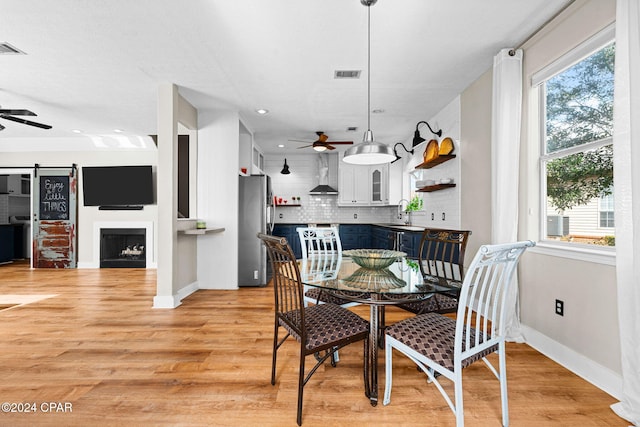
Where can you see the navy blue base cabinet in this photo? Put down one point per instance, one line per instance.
(6, 243)
(289, 232)
(355, 236)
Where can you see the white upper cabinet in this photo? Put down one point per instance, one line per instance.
(353, 186)
(15, 185)
(363, 185)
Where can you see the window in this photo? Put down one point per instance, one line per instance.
(606, 211)
(576, 162)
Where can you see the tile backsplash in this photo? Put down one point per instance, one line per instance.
(324, 209)
(316, 208)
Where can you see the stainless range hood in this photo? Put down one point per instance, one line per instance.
(323, 187)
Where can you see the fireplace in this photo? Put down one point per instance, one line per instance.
(123, 248)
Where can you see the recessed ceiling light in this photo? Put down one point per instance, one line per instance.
(76, 131)
(118, 130)
(280, 145)
(262, 111)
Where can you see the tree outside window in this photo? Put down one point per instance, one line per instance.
(578, 152)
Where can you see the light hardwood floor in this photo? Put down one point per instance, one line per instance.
(99, 346)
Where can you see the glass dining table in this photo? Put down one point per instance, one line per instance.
(399, 283)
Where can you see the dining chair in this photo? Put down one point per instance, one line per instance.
(441, 257)
(319, 329)
(441, 346)
(321, 252)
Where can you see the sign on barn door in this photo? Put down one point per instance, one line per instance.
(54, 217)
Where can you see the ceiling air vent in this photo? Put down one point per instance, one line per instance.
(7, 49)
(346, 74)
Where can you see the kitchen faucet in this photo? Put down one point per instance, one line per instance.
(400, 209)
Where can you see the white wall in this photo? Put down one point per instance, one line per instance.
(586, 338)
(475, 180)
(88, 215)
(590, 324)
(445, 201)
(218, 148)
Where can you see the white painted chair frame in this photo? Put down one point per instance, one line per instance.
(482, 303)
(321, 255)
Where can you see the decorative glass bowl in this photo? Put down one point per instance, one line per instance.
(374, 259)
(374, 280)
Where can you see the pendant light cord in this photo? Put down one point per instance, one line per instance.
(369, 67)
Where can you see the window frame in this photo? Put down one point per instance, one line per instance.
(609, 201)
(580, 251)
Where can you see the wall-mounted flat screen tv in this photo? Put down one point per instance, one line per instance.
(117, 185)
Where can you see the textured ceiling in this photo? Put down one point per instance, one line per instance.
(95, 65)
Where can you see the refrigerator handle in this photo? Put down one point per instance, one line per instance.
(273, 218)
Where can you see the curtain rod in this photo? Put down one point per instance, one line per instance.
(512, 52)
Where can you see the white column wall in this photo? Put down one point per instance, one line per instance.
(176, 269)
(218, 160)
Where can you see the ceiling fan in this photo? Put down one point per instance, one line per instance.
(321, 144)
(9, 114)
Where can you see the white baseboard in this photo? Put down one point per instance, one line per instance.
(598, 375)
(173, 301)
(88, 265)
(165, 301)
(187, 290)
(97, 265)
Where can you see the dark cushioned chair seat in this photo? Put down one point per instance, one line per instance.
(432, 335)
(438, 303)
(325, 323)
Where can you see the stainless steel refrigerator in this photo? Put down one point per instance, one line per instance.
(255, 215)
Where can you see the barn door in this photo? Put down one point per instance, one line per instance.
(54, 218)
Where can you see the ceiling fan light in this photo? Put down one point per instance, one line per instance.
(320, 147)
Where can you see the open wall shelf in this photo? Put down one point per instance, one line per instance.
(435, 162)
(430, 188)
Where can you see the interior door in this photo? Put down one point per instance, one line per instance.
(54, 218)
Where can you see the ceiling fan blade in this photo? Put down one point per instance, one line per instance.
(1, 127)
(17, 112)
(300, 140)
(25, 122)
(340, 142)
(329, 147)
(306, 146)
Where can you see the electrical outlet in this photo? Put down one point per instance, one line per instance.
(355, 216)
(443, 216)
(560, 307)
(432, 216)
(255, 274)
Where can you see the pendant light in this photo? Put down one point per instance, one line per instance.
(369, 151)
(285, 168)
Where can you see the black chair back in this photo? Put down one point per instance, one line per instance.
(442, 253)
(287, 282)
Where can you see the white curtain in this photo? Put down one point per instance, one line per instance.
(626, 160)
(505, 163)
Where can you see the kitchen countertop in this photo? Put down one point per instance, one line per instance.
(401, 227)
